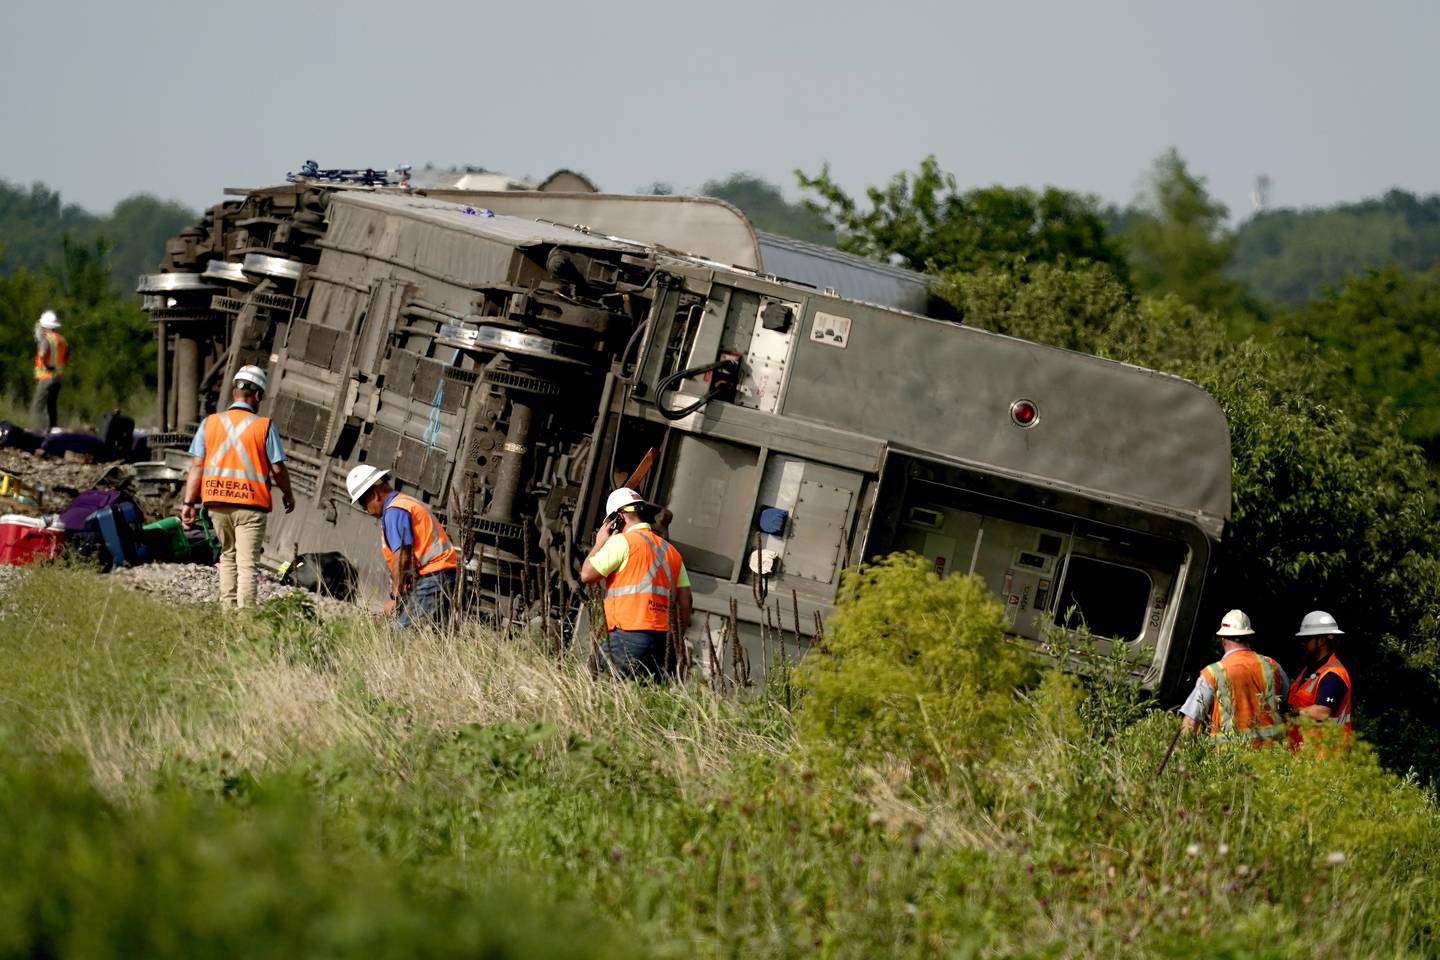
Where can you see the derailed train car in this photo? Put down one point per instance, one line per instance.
(509, 370)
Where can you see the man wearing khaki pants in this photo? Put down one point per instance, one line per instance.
(237, 456)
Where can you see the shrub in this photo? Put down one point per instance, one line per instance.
(913, 665)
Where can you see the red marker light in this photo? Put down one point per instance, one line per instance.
(1024, 413)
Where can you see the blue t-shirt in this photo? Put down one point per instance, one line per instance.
(399, 532)
(273, 451)
(1331, 691)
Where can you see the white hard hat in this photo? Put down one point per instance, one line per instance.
(362, 478)
(621, 498)
(253, 375)
(1318, 623)
(49, 321)
(1234, 624)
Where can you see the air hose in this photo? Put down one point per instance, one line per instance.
(720, 385)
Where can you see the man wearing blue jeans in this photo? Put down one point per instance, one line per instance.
(423, 563)
(646, 585)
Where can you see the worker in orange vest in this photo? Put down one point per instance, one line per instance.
(1238, 698)
(645, 584)
(423, 563)
(52, 353)
(1322, 690)
(237, 457)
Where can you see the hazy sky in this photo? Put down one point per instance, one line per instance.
(1334, 100)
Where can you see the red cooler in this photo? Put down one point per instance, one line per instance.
(27, 539)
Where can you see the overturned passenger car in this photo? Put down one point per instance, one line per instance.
(511, 357)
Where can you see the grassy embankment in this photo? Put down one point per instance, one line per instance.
(172, 784)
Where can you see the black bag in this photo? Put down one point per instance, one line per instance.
(17, 437)
(117, 432)
(328, 574)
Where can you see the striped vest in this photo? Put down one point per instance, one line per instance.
(1247, 698)
(236, 469)
(638, 595)
(432, 548)
(50, 361)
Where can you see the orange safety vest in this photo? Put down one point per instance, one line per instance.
(432, 549)
(1247, 698)
(639, 594)
(1304, 689)
(236, 469)
(59, 353)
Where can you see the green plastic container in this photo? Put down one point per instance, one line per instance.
(168, 540)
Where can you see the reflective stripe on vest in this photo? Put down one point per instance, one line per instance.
(59, 354)
(1245, 714)
(432, 549)
(637, 600)
(236, 468)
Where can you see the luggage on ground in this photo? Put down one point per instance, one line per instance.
(168, 540)
(73, 517)
(83, 538)
(117, 433)
(80, 444)
(329, 574)
(25, 540)
(17, 437)
(122, 535)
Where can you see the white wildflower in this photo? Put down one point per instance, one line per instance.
(1335, 857)
(1223, 849)
(1193, 850)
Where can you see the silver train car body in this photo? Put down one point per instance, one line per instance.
(510, 366)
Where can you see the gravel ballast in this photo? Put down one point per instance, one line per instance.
(194, 583)
(191, 583)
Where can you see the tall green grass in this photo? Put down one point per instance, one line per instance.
(176, 782)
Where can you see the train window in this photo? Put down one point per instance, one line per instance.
(1110, 599)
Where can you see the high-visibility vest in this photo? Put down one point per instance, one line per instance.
(1247, 698)
(236, 470)
(432, 549)
(59, 353)
(1304, 690)
(638, 595)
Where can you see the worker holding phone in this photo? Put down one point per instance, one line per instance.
(644, 579)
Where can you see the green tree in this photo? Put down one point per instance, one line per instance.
(1383, 330)
(1177, 240)
(768, 209)
(1071, 306)
(928, 223)
(136, 231)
